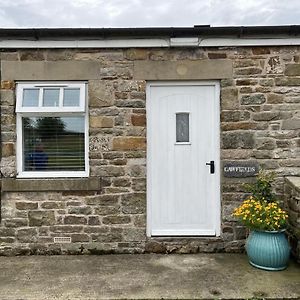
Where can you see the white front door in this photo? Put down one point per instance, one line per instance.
(183, 192)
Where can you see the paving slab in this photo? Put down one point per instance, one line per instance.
(146, 276)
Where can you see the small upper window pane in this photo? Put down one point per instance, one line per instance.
(182, 128)
(30, 97)
(71, 97)
(51, 97)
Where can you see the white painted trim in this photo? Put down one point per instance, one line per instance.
(150, 43)
(217, 114)
(58, 111)
(149, 162)
(47, 109)
(192, 233)
(216, 155)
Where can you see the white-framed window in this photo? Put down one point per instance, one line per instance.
(52, 129)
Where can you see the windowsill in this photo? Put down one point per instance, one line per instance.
(46, 184)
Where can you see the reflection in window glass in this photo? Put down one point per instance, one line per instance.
(53, 143)
(30, 97)
(71, 97)
(51, 97)
(182, 128)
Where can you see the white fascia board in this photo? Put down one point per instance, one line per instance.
(240, 42)
(151, 43)
(113, 43)
(184, 42)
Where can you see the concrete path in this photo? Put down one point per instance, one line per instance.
(193, 276)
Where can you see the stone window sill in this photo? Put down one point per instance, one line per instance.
(48, 185)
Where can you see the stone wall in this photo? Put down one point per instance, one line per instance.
(260, 121)
(292, 202)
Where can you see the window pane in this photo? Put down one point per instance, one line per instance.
(182, 127)
(51, 97)
(30, 97)
(53, 144)
(71, 97)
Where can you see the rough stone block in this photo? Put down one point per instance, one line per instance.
(216, 55)
(265, 144)
(155, 247)
(239, 139)
(234, 116)
(108, 238)
(130, 103)
(267, 82)
(16, 222)
(7, 85)
(248, 71)
(274, 98)
(229, 99)
(8, 149)
(7, 232)
(53, 205)
(139, 184)
(108, 171)
(27, 235)
(26, 205)
(101, 122)
(7, 97)
(138, 120)
(292, 124)
(116, 220)
(292, 70)
(287, 81)
(134, 203)
(105, 200)
(75, 220)
(260, 50)
(85, 210)
(129, 143)
(80, 237)
(134, 234)
(106, 210)
(93, 220)
(140, 221)
(253, 99)
(101, 93)
(7, 240)
(32, 55)
(238, 126)
(121, 182)
(274, 65)
(265, 116)
(137, 54)
(65, 228)
(41, 218)
(248, 81)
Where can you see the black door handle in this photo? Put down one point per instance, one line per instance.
(212, 166)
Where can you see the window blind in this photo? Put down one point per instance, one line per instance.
(53, 143)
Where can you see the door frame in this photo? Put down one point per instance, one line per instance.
(216, 154)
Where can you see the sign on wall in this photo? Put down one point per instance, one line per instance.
(240, 169)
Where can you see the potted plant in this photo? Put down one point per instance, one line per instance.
(267, 246)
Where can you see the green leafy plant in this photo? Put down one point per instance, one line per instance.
(261, 189)
(261, 210)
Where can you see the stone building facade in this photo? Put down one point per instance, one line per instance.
(106, 212)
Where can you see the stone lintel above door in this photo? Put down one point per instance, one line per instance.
(184, 70)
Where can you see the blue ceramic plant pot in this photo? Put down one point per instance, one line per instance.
(268, 250)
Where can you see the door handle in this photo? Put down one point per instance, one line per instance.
(212, 166)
